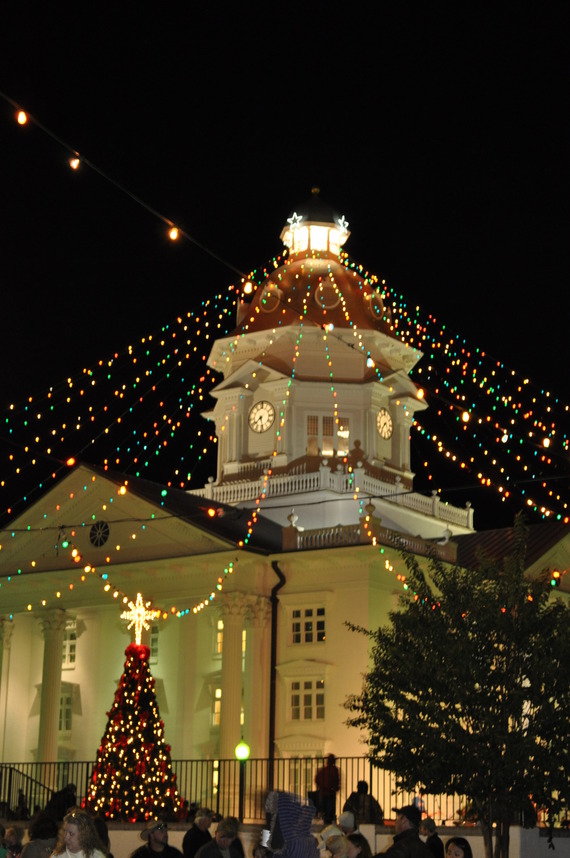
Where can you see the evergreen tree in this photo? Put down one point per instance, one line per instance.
(469, 690)
(133, 778)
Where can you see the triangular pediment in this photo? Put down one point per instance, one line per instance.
(125, 531)
(249, 374)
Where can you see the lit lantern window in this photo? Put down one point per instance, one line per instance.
(319, 237)
(300, 239)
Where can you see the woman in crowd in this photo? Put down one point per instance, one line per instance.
(458, 847)
(358, 846)
(78, 837)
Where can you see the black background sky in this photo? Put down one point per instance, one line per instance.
(439, 130)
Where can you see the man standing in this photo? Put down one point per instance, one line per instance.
(407, 843)
(155, 836)
(198, 835)
(327, 781)
(434, 843)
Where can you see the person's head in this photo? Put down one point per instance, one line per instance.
(155, 833)
(407, 817)
(331, 760)
(458, 847)
(78, 833)
(328, 831)
(346, 822)
(337, 845)
(13, 836)
(358, 846)
(226, 832)
(362, 787)
(203, 818)
(427, 826)
(43, 827)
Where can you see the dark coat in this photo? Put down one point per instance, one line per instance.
(407, 844)
(193, 840)
(212, 850)
(435, 846)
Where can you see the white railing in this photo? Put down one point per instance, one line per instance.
(342, 482)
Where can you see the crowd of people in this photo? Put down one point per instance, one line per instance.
(79, 834)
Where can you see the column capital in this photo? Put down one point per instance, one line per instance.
(6, 631)
(233, 605)
(53, 621)
(259, 610)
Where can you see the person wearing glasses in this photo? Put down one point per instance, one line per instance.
(155, 835)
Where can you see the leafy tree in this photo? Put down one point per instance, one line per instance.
(469, 690)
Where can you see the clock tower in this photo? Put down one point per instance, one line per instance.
(315, 406)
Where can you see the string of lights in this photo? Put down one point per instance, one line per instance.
(137, 412)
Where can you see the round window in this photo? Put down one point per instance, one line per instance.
(99, 534)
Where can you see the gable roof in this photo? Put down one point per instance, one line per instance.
(548, 548)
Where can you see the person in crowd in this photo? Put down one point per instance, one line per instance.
(346, 822)
(103, 832)
(419, 801)
(458, 847)
(364, 806)
(13, 841)
(78, 837)
(199, 834)
(22, 811)
(337, 846)
(327, 781)
(407, 843)
(290, 820)
(62, 801)
(358, 846)
(433, 842)
(156, 845)
(223, 844)
(42, 836)
(328, 831)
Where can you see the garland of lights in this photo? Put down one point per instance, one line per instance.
(518, 432)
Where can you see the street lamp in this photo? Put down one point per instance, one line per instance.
(242, 755)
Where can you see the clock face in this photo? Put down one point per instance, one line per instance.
(261, 416)
(384, 423)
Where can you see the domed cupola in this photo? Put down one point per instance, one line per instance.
(315, 228)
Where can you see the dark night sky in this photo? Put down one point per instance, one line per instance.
(439, 130)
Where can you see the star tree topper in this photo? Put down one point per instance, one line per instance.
(139, 615)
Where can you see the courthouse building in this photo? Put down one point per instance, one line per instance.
(256, 574)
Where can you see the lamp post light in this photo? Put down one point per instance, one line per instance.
(242, 755)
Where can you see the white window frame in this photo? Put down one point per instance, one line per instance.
(66, 711)
(307, 699)
(69, 649)
(308, 625)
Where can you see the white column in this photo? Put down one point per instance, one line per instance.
(6, 632)
(53, 628)
(233, 613)
(257, 679)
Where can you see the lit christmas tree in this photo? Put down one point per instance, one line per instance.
(133, 778)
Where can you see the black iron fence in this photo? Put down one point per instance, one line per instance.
(228, 787)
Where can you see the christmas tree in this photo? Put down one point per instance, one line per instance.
(133, 778)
